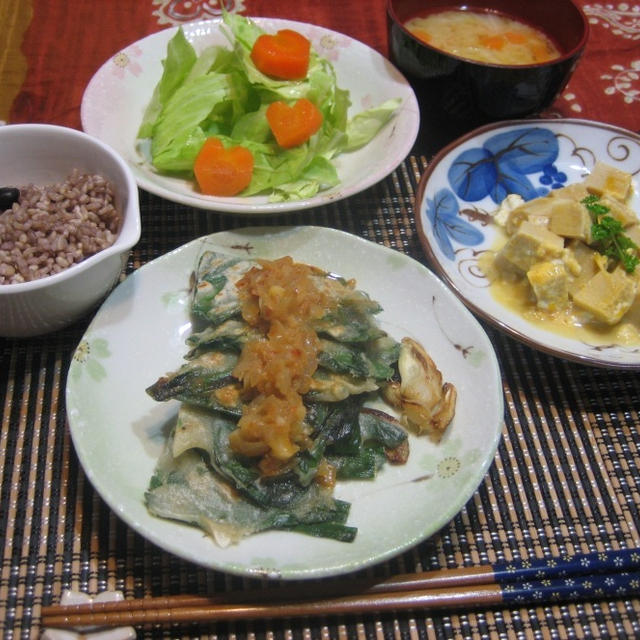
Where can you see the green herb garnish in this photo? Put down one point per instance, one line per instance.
(608, 235)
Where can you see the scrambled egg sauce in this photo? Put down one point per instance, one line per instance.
(568, 322)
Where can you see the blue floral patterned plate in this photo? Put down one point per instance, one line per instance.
(468, 179)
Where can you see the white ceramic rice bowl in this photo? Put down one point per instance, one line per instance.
(44, 154)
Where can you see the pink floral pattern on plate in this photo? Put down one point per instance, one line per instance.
(125, 61)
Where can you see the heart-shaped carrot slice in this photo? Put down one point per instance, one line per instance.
(284, 55)
(293, 125)
(220, 171)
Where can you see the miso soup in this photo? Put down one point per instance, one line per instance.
(483, 36)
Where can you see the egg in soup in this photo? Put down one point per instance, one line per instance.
(484, 37)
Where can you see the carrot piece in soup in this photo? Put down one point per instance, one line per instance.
(220, 171)
(495, 42)
(284, 55)
(294, 125)
(540, 51)
(422, 34)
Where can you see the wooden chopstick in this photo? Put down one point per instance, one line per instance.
(446, 597)
(307, 590)
(595, 575)
(466, 576)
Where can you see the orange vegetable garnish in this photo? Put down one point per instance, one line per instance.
(294, 125)
(541, 52)
(284, 55)
(421, 34)
(220, 171)
(495, 42)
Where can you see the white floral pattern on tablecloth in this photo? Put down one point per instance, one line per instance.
(180, 11)
(613, 59)
(622, 19)
(624, 80)
(571, 98)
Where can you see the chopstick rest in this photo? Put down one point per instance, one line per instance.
(592, 575)
(75, 598)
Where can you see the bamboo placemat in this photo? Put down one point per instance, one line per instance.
(565, 479)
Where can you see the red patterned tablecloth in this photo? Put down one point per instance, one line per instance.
(54, 48)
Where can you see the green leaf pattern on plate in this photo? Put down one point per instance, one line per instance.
(87, 358)
(449, 461)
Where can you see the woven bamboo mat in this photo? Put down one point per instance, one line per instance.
(566, 476)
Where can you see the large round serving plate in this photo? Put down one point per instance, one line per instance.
(528, 157)
(116, 97)
(139, 334)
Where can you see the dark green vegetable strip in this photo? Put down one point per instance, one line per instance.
(231, 335)
(210, 370)
(381, 427)
(341, 533)
(349, 323)
(341, 358)
(361, 466)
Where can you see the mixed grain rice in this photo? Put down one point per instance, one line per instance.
(56, 226)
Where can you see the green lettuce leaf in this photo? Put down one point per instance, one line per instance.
(180, 59)
(365, 125)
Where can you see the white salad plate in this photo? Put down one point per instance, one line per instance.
(116, 97)
(467, 180)
(139, 334)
